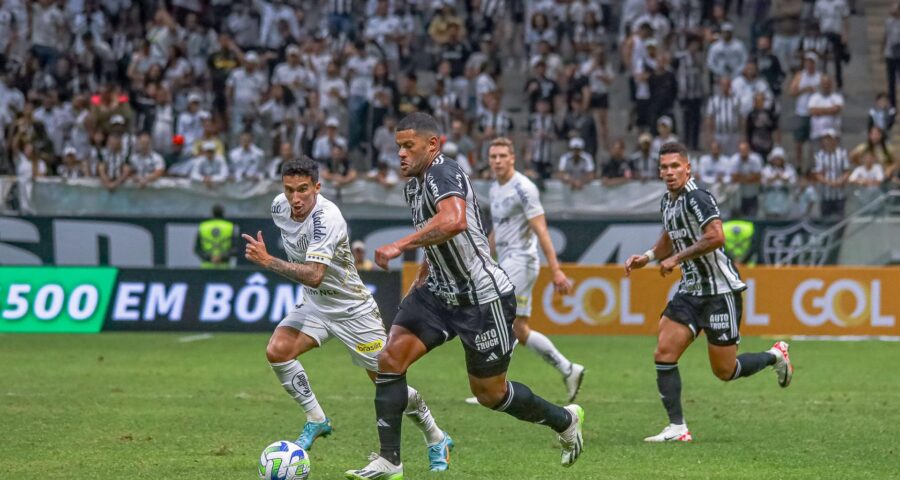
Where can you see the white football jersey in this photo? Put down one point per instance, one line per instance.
(322, 238)
(512, 205)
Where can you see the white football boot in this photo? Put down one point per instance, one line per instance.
(672, 433)
(783, 367)
(571, 439)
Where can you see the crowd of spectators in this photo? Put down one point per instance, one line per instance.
(219, 91)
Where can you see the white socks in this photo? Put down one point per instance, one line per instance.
(294, 380)
(542, 346)
(418, 412)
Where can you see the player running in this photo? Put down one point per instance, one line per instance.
(709, 297)
(336, 304)
(519, 227)
(461, 292)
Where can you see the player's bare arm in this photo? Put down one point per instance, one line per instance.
(309, 273)
(561, 283)
(713, 238)
(449, 221)
(661, 250)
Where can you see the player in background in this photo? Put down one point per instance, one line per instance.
(709, 297)
(519, 227)
(460, 291)
(336, 304)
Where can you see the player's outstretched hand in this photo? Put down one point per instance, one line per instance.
(255, 250)
(561, 283)
(667, 266)
(385, 254)
(635, 262)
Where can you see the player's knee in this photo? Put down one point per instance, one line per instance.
(723, 373)
(278, 351)
(664, 354)
(489, 397)
(389, 362)
(521, 329)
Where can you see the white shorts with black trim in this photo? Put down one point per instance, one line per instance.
(523, 272)
(363, 336)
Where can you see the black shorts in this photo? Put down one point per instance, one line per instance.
(485, 330)
(599, 100)
(717, 315)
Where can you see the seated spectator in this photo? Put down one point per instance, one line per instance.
(882, 114)
(148, 165)
(209, 135)
(363, 264)
(617, 169)
(746, 171)
(644, 165)
(576, 167)
(868, 174)
(246, 160)
(340, 169)
(778, 178)
(664, 127)
(385, 175)
(114, 168)
(323, 145)
(832, 170)
(715, 167)
(71, 167)
(876, 145)
(209, 168)
(285, 154)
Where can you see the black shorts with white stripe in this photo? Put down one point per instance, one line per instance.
(485, 330)
(719, 316)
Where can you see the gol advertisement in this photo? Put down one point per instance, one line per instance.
(778, 301)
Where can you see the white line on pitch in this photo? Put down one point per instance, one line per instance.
(195, 338)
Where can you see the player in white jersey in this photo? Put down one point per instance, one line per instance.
(519, 228)
(335, 303)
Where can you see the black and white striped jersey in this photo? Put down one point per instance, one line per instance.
(461, 270)
(833, 166)
(684, 218)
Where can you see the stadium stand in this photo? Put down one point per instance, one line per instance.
(142, 99)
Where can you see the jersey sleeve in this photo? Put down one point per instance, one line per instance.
(327, 231)
(443, 180)
(531, 200)
(703, 207)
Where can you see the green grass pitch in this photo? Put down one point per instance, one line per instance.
(147, 406)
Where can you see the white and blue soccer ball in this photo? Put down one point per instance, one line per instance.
(284, 460)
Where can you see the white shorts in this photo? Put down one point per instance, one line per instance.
(523, 272)
(363, 336)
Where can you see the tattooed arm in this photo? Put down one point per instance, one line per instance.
(309, 273)
(449, 221)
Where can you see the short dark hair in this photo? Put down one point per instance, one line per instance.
(419, 122)
(301, 167)
(218, 211)
(674, 147)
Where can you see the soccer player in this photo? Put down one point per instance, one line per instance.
(519, 227)
(460, 291)
(336, 304)
(709, 297)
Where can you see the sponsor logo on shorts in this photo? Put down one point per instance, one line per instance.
(720, 321)
(373, 346)
(487, 340)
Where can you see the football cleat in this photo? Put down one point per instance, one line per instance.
(439, 454)
(573, 380)
(378, 468)
(672, 433)
(571, 439)
(312, 431)
(783, 367)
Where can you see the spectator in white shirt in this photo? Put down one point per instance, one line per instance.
(825, 110)
(322, 146)
(715, 167)
(244, 88)
(246, 160)
(777, 178)
(869, 174)
(285, 154)
(384, 29)
(576, 167)
(148, 166)
(190, 122)
(664, 128)
(833, 23)
(294, 74)
(71, 167)
(727, 55)
(209, 168)
(48, 25)
(332, 90)
(747, 168)
(747, 85)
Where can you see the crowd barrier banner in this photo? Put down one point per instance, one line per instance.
(84, 300)
(778, 301)
(169, 242)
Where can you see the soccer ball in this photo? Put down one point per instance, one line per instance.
(284, 460)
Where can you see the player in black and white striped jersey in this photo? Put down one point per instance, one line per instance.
(461, 291)
(709, 296)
